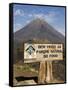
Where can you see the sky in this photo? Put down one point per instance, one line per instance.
(24, 14)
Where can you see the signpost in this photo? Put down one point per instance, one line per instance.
(45, 54)
(42, 52)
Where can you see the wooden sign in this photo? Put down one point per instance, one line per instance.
(42, 52)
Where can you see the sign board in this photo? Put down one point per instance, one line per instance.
(42, 52)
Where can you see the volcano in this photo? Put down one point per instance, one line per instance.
(39, 29)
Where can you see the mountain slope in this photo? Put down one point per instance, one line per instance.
(40, 30)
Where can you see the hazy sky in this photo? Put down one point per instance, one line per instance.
(24, 14)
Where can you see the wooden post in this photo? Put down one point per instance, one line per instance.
(49, 77)
(42, 73)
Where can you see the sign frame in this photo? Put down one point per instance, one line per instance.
(40, 60)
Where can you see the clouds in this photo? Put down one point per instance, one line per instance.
(17, 26)
(60, 29)
(55, 16)
(19, 12)
(50, 17)
(38, 15)
(43, 15)
(28, 21)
